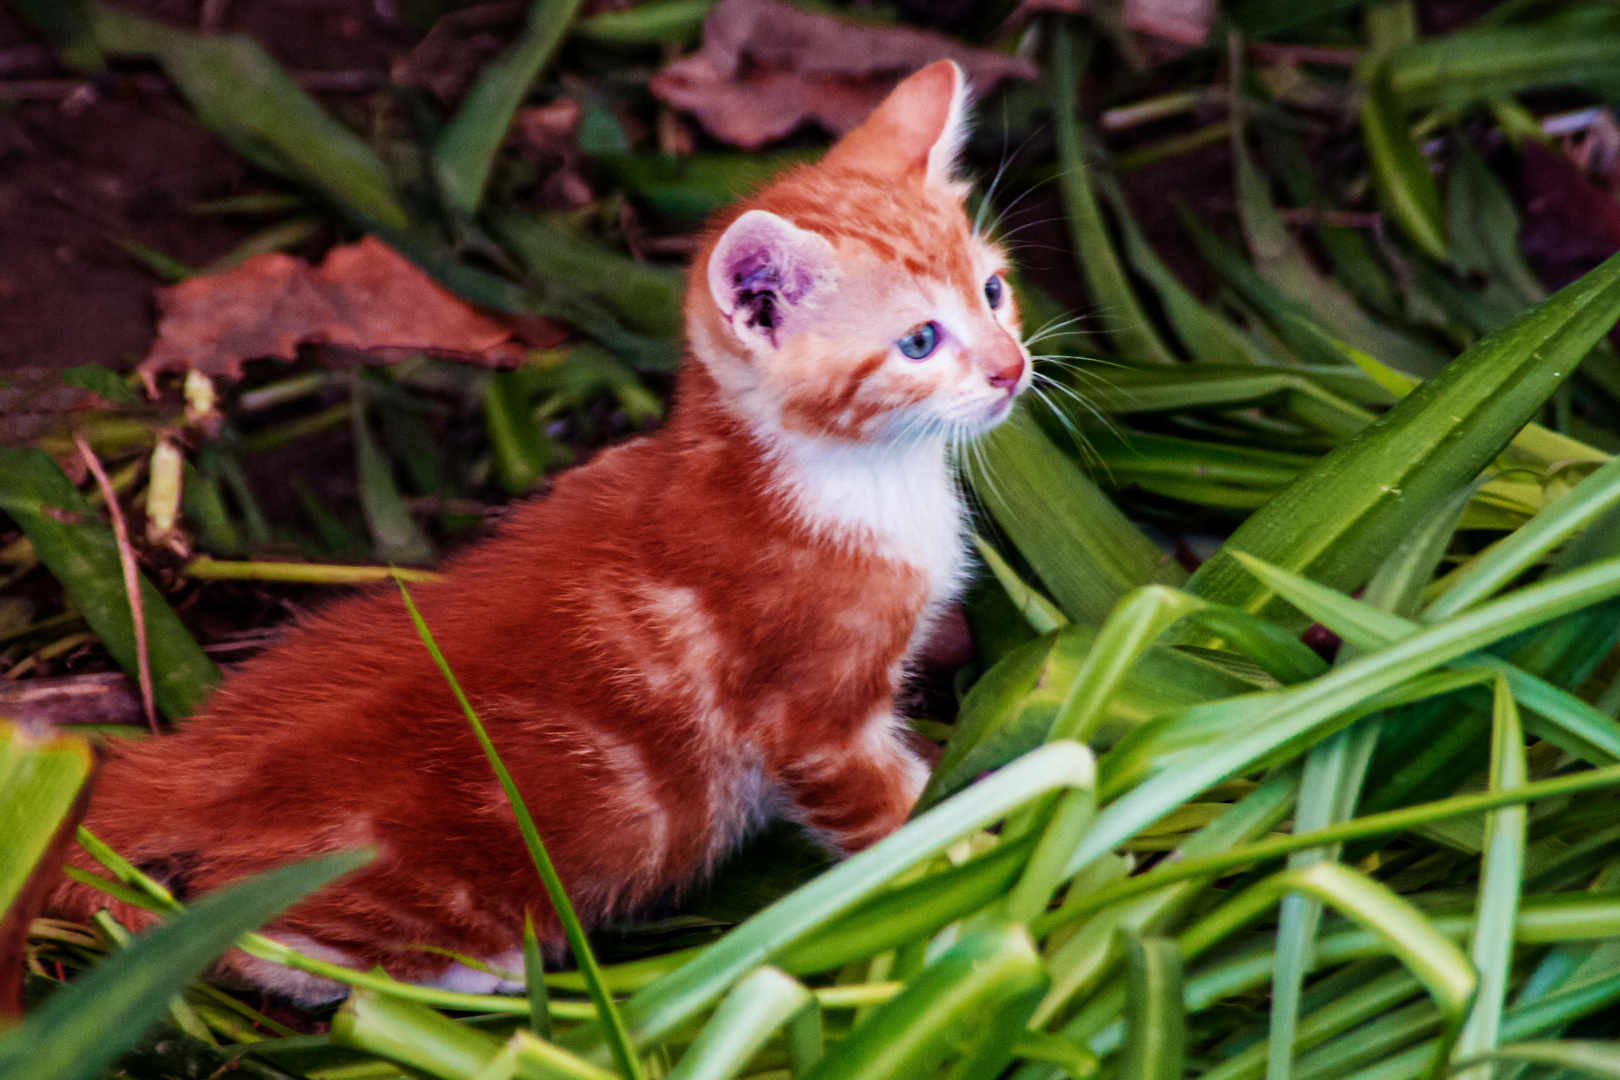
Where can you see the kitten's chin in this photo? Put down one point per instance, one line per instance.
(995, 414)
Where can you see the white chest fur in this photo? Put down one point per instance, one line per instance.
(900, 497)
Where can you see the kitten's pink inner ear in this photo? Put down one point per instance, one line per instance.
(763, 268)
(917, 129)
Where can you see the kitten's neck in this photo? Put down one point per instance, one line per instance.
(897, 500)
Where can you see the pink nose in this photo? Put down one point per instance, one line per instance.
(1006, 377)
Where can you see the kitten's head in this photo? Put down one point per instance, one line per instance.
(852, 299)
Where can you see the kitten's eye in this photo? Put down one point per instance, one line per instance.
(921, 342)
(992, 291)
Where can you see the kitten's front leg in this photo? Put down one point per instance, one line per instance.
(855, 791)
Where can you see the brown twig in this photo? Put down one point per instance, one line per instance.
(132, 577)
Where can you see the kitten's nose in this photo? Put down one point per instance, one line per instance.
(1006, 376)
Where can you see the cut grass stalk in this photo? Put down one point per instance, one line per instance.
(206, 568)
(624, 1054)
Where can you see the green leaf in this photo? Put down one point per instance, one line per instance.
(1086, 552)
(1208, 337)
(976, 993)
(1128, 325)
(909, 912)
(659, 1007)
(1276, 721)
(464, 152)
(1572, 724)
(1406, 186)
(1282, 262)
(394, 532)
(1579, 47)
(1155, 1021)
(674, 21)
(522, 450)
(83, 555)
(1500, 879)
(747, 1018)
(83, 1027)
(246, 98)
(1344, 516)
(417, 1036)
(39, 780)
(99, 380)
(1573, 511)
(644, 297)
(1433, 959)
(1589, 1058)
(534, 978)
(1037, 610)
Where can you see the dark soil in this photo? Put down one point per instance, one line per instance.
(86, 163)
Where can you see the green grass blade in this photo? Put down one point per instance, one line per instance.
(1430, 956)
(246, 98)
(1292, 714)
(522, 451)
(1134, 624)
(1110, 290)
(1586, 1057)
(464, 152)
(1036, 609)
(39, 780)
(1567, 721)
(624, 1055)
(1155, 1021)
(1340, 520)
(83, 555)
(746, 1019)
(1043, 875)
(1500, 877)
(83, 1027)
(1207, 336)
(909, 912)
(396, 536)
(1406, 186)
(1579, 47)
(1370, 825)
(1084, 549)
(534, 980)
(659, 1007)
(1573, 511)
(677, 21)
(959, 998)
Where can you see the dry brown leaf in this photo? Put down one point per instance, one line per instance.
(767, 67)
(364, 296)
(1184, 23)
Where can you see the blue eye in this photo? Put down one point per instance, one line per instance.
(921, 342)
(992, 291)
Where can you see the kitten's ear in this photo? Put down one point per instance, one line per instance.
(919, 128)
(764, 269)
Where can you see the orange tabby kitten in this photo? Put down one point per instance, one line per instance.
(699, 630)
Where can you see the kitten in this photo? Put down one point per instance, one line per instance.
(702, 629)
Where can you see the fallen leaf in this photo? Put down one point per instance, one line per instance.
(36, 401)
(365, 296)
(766, 68)
(1570, 224)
